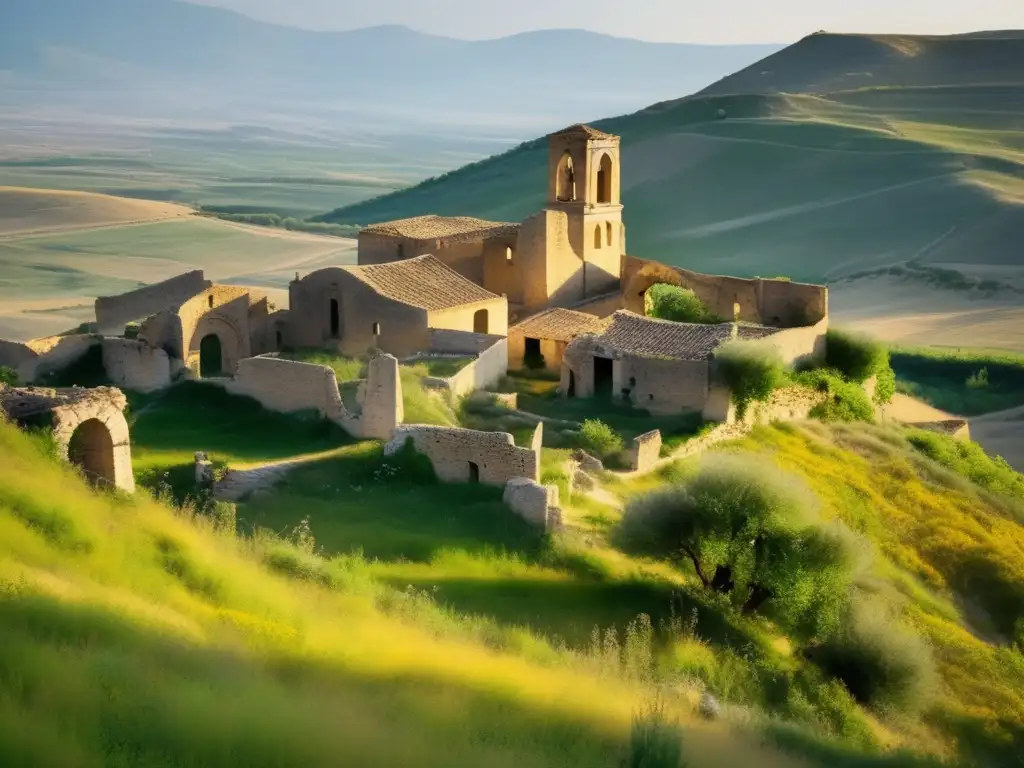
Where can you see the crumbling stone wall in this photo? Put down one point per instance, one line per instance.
(88, 426)
(113, 313)
(778, 303)
(288, 386)
(463, 455)
(786, 404)
(38, 357)
(645, 451)
(802, 345)
(537, 504)
(490, 363)
(136, 366)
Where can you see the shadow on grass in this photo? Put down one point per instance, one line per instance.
(117, 693)
(390, 510)
(193, 416)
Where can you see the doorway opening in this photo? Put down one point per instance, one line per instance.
(92, 450)
(532, 357)
(211, 356)
(602, 377)
(474, 472)
(335, 319)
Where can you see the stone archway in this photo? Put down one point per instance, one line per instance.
(88, 426)
(203, 350)
(634, 291)
(91, 449)
(604, 180)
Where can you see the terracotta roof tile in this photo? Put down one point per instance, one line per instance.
(584, 130)
(559, 325)
(433, 227)
(647, 336)
(422, 282)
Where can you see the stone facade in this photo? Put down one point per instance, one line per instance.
(489, 364)
(88, 425)
(466, 455)
(645, 451)
(113, 313)
(390, 307)
(546, 335)
(136, 366)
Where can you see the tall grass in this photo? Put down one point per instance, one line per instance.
(952, 379)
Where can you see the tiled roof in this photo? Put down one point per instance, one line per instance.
(584, 130)
(649, 336)
(559, 325)
(422, 282)
(433, 227)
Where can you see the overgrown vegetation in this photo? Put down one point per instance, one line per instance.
(751, 535)
(845, 401)
(8, 376)
(599, 439)
(752, 371)
(671, 302)
(967, 458)
(855, 356)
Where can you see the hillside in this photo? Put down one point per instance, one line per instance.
(178, 60)
(925, 163)
(136, 635)
(25, 211)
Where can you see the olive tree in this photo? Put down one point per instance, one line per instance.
(750, 533)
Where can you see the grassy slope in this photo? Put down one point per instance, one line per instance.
(806, 181)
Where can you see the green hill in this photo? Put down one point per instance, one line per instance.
(838, 154)
(134, 634)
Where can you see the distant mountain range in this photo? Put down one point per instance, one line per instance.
(164, 57)
(839, 154)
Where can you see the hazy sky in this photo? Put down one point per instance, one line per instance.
(702, 21)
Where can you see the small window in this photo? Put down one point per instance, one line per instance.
(376, 329)
(401, 251)
(508, 255)
(608, 228)
(209, 300)
(597, 236)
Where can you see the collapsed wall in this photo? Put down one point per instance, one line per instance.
(461, 455)
(136, 366)
(485, 370)
(113, 313)
(287, 386)
(38, 357)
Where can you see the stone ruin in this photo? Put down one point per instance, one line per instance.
(88, 426)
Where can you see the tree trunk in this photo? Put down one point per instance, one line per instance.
(758, 596)
(696, 566)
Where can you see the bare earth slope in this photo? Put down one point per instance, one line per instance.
(920, 157)
(24, 211)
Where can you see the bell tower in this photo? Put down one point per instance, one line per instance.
(584, 183)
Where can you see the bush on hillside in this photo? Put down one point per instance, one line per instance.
(655, 741)
(749, 533)
(681, 305)
(967, 458)
(855, 356)
(886, 386)
(8, 376)
(884, 666)
(846, 400)
(599, 439)
(751, 370)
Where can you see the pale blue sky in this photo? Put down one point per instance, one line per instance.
(700, 21)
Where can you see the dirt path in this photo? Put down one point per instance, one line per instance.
(245, 479)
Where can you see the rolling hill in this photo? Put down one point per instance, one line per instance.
(172, 58)
(839, 154)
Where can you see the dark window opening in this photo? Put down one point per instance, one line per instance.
(280, 340)
(480, 321)
(401, 251)
(604, 180)
(597, 236)
(335, 319)
(209, 300)
(474, 472)
(571, 391)
(565, 179)
(603, 377)
(376, 329)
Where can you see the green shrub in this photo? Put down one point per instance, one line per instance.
(654, 740)
(855, 356)
(751, 370)
(977, 380)
(967, 458)
(8, 376)
(749, 532)
(599, 439)
(886, 386)
(670, 302)
(846, 400)
(884, 666)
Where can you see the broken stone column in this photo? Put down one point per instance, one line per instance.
(204, 470)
